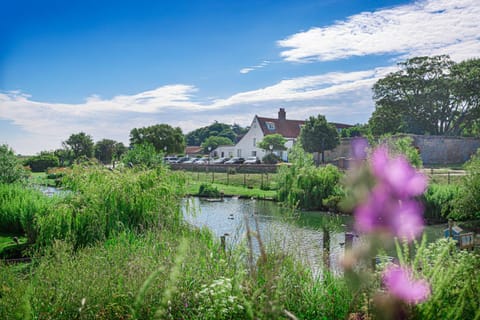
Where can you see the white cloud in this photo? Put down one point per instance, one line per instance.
(47, 124)
(258, 66)
(422, 28)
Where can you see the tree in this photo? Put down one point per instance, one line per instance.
(107, 150)
(162, 137)
(217, 129)
(63, 156)
(10, 168)
(80, 144)
(43, 161)
(317, 135)
(214, 141)
(428, 95)
(143, 154)
(277, 141)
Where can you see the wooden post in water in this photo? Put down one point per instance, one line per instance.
(450, 228)
(222, 243)
(326, 248)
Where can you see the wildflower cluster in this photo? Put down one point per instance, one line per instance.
(218, 300)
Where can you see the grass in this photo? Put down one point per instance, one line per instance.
(192, 188)
(40, 178)
(247, 180)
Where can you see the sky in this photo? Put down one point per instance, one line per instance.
(106, 67)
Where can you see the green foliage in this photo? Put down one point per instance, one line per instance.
(270, 158)
(401, 145)
(277, 141)
(428, 95)
(42, 162)
(214, 141)
(439, 201)
(143, 155)
(467, 205)
(454, 278)
(208, 190)
(216, 129)
(79, 144)
(107, 150)
(162, 137)
(19, 207)
(10, 168)
(305, 186)
(358, 130)
(317, 135)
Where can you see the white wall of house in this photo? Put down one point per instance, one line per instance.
(247, 146)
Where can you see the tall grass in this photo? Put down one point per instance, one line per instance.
(104, 202)
(19, 207)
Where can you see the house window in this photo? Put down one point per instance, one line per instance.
(270, 125)
(254, 142)
(254, 153)
(239, 152)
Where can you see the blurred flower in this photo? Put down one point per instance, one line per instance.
(359, 148)
(390, 206)
(400, 283)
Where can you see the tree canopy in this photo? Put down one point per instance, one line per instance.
(80, 144)
(11, 169)
(106, 150)
(317, 135)
(277, 141)
(162, 137)
(216, 129)
(428, 95)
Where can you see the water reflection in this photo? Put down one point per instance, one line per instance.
(302, 234)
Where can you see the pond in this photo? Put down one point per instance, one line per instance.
(299, 233)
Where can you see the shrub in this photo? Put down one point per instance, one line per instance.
(208, 190)
(143, 155)
(42, 162)
(439, 201)
(10, 168)
(270, 158)
(467, 205)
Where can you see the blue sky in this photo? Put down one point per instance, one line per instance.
(105, 67)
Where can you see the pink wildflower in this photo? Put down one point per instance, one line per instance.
(400, 283)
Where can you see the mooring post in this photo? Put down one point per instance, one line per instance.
(222, 243)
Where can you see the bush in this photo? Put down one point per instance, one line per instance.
(467, 205)
(42, 162)
(143, 155)
(208, 190)
(270, 158)
(10, 168)
(439, 201)
(305, 186)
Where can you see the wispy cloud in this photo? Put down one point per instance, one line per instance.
(422, 28)
(47, 124)
(258, 66)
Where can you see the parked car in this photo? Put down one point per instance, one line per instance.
(252, 160)
(220, 160)
(201, 161)
(183, 159)
(170, 159)
(235, 160)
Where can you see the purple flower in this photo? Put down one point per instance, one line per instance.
(400, 283)
(359, 148)
(389, 206)
(397, 174)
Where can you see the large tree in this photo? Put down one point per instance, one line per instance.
(217, 129)
(162, 136)
(317, 135)
(80, 144)
(106, 150)
(428, 95)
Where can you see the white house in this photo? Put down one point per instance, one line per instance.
(260, 127)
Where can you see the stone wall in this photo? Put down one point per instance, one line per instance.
(433, 149)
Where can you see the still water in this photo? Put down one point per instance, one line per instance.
(299, 233)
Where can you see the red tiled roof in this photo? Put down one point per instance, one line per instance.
(289, 128)
(193, 149)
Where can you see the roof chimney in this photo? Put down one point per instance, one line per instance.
(282, 115)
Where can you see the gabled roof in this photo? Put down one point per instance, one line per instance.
(287, 128)
(193, 149)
